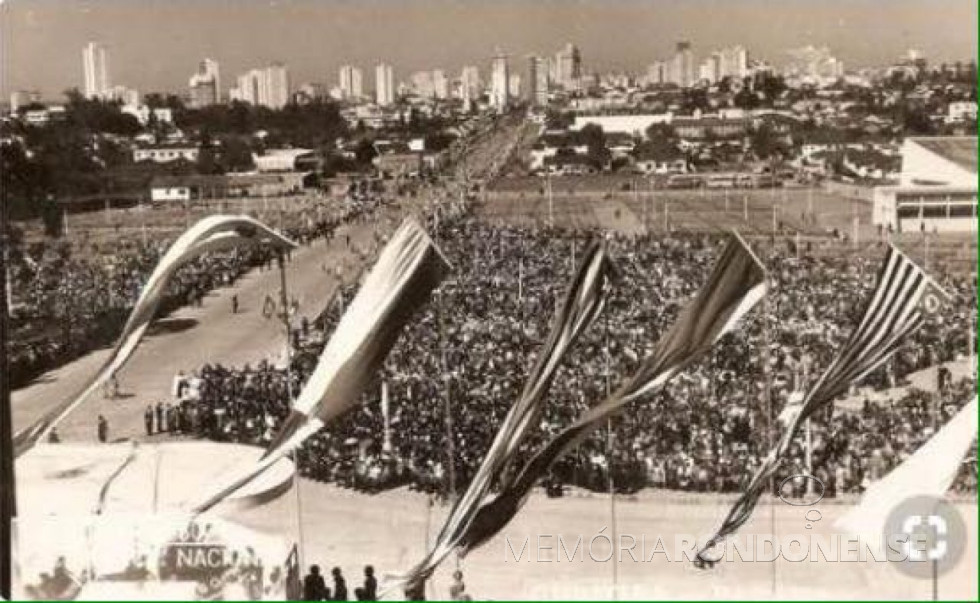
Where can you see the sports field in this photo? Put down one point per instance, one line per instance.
(389, 530)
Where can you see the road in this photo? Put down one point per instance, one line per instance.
(191, 337)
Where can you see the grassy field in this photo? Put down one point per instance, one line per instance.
(825, 220)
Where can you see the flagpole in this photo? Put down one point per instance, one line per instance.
(610, 445)
(8, 498)
(284, 302)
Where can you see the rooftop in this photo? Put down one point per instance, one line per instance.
(961, 150)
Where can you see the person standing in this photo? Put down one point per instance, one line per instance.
(339, 585)
(234, 304)
(159, 412)
(148, 419)
(103, 429)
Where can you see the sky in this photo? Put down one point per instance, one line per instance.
(155, 45)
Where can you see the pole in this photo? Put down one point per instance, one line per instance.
(551, 203)
(745, 208)
(284, 302)
(610, 449)
(8, 498)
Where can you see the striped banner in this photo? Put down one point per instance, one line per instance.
(903, 294)
(734, 287)
(214, 233)
(409, 268)
(583, 302)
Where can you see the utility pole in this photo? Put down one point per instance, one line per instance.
(8, 498)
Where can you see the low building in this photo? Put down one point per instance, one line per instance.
(937, 190)
(285, 160)
(194, 186)
(165, 153)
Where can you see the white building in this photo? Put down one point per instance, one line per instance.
(733, 63)
(205, 84)
(267, 87)
(937, 190)
(470, 87)
(95, 70)
(499, 82)
(962, 111)
(166, 153)
(351, 82)
(384, 85)
(21, 98)
(568, 66)
(682, 68)
(440, 84)
(142, 113)
(536, 88)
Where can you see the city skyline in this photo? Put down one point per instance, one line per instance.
(155, 45)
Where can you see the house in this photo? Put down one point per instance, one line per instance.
(195, 186)
(165, 153)
(659, 159)
(286, 160)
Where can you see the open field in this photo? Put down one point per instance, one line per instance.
(811, 216)
(389, 530)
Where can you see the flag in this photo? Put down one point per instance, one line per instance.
(211, 234)
(928, 472)
(409, 268)
(904, 293)
(583, 302)
(736, 284)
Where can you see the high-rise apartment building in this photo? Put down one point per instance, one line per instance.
(568, 66)
(733, 63)
(682, 69)
(95, 70)
(384, 85)
(536, 86)
(440, 84)
(499, 82)
(351, 82)
(205, 85)
(469, 86)
(268, 87)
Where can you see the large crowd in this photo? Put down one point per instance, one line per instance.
(68, 298)
(470, 348)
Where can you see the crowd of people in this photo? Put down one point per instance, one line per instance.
(70, 297)
(469, 349)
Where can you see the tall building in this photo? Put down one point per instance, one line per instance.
(440, 84)
(95, 70)
(205, 85)
(351, 82)
(658, 73)
(384, 85)
(682, 67)
(499, 82)
(568, 66)
(814, 63)
(469, 84)
(710, 70)
(536, 87)
(733, 63)
(422, 84)
(267, 87)
(278, 86)
(514, 86)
